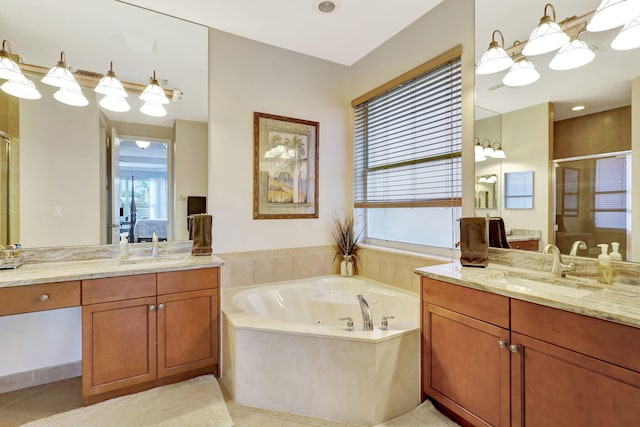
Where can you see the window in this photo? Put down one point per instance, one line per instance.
(610, 197)
(408, 147)
(570, 191)
(518, 190)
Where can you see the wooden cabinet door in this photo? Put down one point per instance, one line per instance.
(466, 366)
(118, 344)
(187, 331)
(552, 386)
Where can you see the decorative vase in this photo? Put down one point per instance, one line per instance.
(346, 266)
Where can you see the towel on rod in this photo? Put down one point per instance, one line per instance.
(474, 248)
(200, 233)
(497, 233)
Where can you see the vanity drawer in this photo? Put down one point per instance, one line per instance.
(187, 280)
(608, 341)
(524, 245)
(480, 305)
(45, 296)
(109, 289)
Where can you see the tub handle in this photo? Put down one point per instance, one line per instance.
(349, 322)
(385, 323)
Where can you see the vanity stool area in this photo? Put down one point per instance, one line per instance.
(498, 354)
(144, 324)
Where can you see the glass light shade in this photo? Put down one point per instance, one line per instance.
(613, 13)
(488, 151)
(495, 59)
(9, 69)
(109, 85)
(483, 179)
(143, 144)
(116, 104)
(546, 37)
(154, 94)
(480, 158)
(522, 73)
(629, 36)
(153, 110)
(71, 96)
(477, 149)
(60, 76)
(492, 179)
(499, 154)
(21, 88)
(572, 55)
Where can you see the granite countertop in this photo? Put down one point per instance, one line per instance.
(47, 272)
(618, 303)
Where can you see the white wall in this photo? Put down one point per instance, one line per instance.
(449, 24)
(247, 76)
(191, 140)
(525, 137)
(59, 167)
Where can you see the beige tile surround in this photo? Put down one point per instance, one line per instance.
(384, 265)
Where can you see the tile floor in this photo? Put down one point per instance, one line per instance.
(21, 406)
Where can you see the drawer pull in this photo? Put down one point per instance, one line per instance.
(152, 307)
(160, 306)
(44, 297)
(514, 348)
(502, 344)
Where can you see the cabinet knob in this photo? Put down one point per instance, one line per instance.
(160, 306)
(502, 344)
(514, 348)
(152, 307)
(44, 297)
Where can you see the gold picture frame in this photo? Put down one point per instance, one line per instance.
(285, 167)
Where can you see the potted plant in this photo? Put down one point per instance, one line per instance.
(346, 235)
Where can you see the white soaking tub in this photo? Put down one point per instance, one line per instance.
(285, 349)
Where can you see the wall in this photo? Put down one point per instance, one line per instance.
(246, 77)
(526, 138)
(191, 140)
(59, 164)
(635, 170)
(449, 24)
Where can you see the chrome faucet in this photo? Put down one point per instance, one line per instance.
(154, 243)
(557, 268)
(367, 323)
(578, 244)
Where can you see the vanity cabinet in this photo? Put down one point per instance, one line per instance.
(525, 245)
(499, 361)
(145, 330)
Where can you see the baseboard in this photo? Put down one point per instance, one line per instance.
(40, 376)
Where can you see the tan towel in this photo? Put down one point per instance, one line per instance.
(473, 242)
(200, 233)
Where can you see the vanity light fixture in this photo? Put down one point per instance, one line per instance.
(495, 59)
(522, 73)
(493, 150)
(577, 108)
(113, 91)
(60, 75)
(499, 153)
(547, 36)
(487, 148)
(17, 84)
(153, 93)
(9, 69)
(143, 144)
(574, 54)
(478, 151)
(613, 13)
(629, 36)
(483, 179)
(71, 96)
(153, 109)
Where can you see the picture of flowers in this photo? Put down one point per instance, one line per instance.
(285, 167)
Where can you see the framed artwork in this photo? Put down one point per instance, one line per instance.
(285, 167)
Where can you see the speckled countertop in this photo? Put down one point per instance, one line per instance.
(618, 303)
(46, 272)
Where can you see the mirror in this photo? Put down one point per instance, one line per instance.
(63, 149)
(488, 131)
(537, 118)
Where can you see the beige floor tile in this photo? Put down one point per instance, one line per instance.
(54, 398)
(304, 420)
(14, 396)
(246, 419)
(259, 411)
(8, 419)
(77, 380)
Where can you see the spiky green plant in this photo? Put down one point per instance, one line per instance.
(346, 234)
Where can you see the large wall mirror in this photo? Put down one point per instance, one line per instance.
(573, 128)
(63, 192)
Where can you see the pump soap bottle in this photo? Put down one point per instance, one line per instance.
(605, 273)
(124, 249)
(615, 255)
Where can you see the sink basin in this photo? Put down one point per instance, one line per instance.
(520, 284)
(158, 259)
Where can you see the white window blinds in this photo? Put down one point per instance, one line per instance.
(610, 198)
(408, 143)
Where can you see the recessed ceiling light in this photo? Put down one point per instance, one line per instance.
(577, 108)
(326, 6)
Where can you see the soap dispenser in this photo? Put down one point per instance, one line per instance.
(124, 248)
(615, 255)
(605, 273)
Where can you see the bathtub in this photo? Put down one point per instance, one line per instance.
(284, 349)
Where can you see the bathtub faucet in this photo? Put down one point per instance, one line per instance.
(367, 323)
